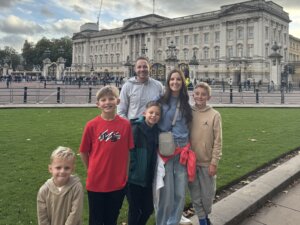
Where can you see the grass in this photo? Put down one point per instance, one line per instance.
(251, 138)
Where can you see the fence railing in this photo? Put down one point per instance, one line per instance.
(55, 95)
(86, 94)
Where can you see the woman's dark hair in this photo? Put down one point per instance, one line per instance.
(185, 107)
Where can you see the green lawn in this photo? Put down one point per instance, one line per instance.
(252, 137)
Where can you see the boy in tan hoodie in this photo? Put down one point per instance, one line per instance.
(60, 199)
(206, 141)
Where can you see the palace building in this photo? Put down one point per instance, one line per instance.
(233, 42)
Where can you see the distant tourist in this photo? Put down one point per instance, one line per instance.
(60, 199)
(7, 82)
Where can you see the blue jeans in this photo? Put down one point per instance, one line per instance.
(172, 194)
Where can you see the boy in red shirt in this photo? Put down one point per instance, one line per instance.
(104, 150)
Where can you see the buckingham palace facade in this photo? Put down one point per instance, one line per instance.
(233, 42)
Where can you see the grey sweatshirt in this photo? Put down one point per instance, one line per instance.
(135, 95)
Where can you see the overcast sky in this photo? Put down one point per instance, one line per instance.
(31, 20)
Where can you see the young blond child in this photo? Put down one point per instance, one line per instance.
(142, 164)
(206, 141)
(104, 150)
(60, 199)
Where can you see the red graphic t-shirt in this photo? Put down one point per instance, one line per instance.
(108, 144)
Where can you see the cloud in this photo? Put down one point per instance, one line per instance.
(9, 3)
(78, 9)
(22, 10)
(15, 25)
(66, 27)
(46, 12)
(16, 41)
(112, 24)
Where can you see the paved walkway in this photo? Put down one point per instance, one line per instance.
(283, 209)
(283, 202)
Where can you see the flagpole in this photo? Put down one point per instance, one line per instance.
(153, 6)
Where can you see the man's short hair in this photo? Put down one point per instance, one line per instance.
(142, 58)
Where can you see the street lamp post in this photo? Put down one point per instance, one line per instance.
(46, 61)
(92, 67)
(171, 56)
(275, 67)
(194, 64)
(144, 50)
(129, 66)
(61, 62)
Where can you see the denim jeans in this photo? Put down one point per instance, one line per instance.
(172, 194)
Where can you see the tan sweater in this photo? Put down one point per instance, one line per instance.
(206, 135)
(63, 207)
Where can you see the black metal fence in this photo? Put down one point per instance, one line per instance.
(56, 94)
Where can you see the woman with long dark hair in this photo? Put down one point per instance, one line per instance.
(170, 204)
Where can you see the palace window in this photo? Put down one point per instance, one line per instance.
(250, 50)
(229, 51)
(206, 53)
(186, 39)
(267, 32)
(168, 40)
(240, 33)
(206, 38)
(111, 58)
(159, 42)
(230, 35)
(240, 50)
(250, 32)
(176, 40)
(267, 50)
(196, 36)
(217, 36)
(217, 52)
(186, 54)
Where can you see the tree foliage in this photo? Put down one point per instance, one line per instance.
(10, 57)
(45, 48)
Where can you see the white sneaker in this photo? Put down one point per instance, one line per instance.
(185, 221)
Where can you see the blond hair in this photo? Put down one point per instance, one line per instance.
(205, 86)
(62, 153)
(107, 90)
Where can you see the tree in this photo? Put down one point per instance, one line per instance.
(9, 56)
(34, 54)
(65, 43)
(39, 51)
(28, 55)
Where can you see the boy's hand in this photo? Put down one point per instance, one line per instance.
(212, 170)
